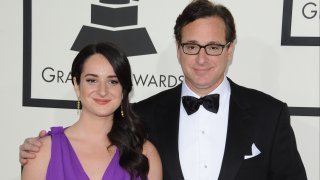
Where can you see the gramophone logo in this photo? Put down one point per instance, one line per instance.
(121, 16)
(300, 23)
(134, 41)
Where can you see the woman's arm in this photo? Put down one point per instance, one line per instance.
(155, 166)
(37, 168)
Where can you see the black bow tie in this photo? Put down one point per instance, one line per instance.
(209, 102)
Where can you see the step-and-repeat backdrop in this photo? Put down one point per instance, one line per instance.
(277, 52)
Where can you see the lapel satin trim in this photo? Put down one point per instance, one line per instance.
(238, 141)
(169, 111)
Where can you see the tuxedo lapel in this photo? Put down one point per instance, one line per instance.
(168, 130)
(238, 141)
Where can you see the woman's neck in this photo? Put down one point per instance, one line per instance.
(91, 127)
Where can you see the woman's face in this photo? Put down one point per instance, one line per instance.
(99, 90)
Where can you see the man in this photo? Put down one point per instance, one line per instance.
(235, 133)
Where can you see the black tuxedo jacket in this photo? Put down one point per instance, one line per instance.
(254, 117)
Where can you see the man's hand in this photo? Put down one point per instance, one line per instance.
(30, 147)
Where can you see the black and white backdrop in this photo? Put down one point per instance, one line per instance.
(277, 52)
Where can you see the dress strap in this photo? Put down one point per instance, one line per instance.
(56, 130)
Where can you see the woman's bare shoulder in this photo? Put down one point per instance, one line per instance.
(149, 148)
(45, 150)
(46, 140)
(155, 165)
(36, 168)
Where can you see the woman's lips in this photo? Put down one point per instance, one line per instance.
(102, 101)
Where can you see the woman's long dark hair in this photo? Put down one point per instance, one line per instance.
(127, 133)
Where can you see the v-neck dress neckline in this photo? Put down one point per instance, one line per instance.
(65, 165)
(74, 156)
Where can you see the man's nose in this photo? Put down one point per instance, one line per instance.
(202, 56)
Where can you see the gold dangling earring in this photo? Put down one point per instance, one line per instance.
(78, 107)
(122, 113)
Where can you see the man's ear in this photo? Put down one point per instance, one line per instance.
(178, 50)
(230, 51)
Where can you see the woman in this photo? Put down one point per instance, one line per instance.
(108, 141)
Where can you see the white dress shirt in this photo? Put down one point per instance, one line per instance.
(202, 136)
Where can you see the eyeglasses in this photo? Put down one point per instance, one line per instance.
(210, 49)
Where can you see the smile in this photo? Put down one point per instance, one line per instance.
(201, 70)
(101, 101)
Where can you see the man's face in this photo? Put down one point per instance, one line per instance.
(203, 73)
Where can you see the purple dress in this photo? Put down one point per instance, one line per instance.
(65, 165)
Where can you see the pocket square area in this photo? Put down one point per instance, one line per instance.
(254, 152)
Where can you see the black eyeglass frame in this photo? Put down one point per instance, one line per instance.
(204, 47)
